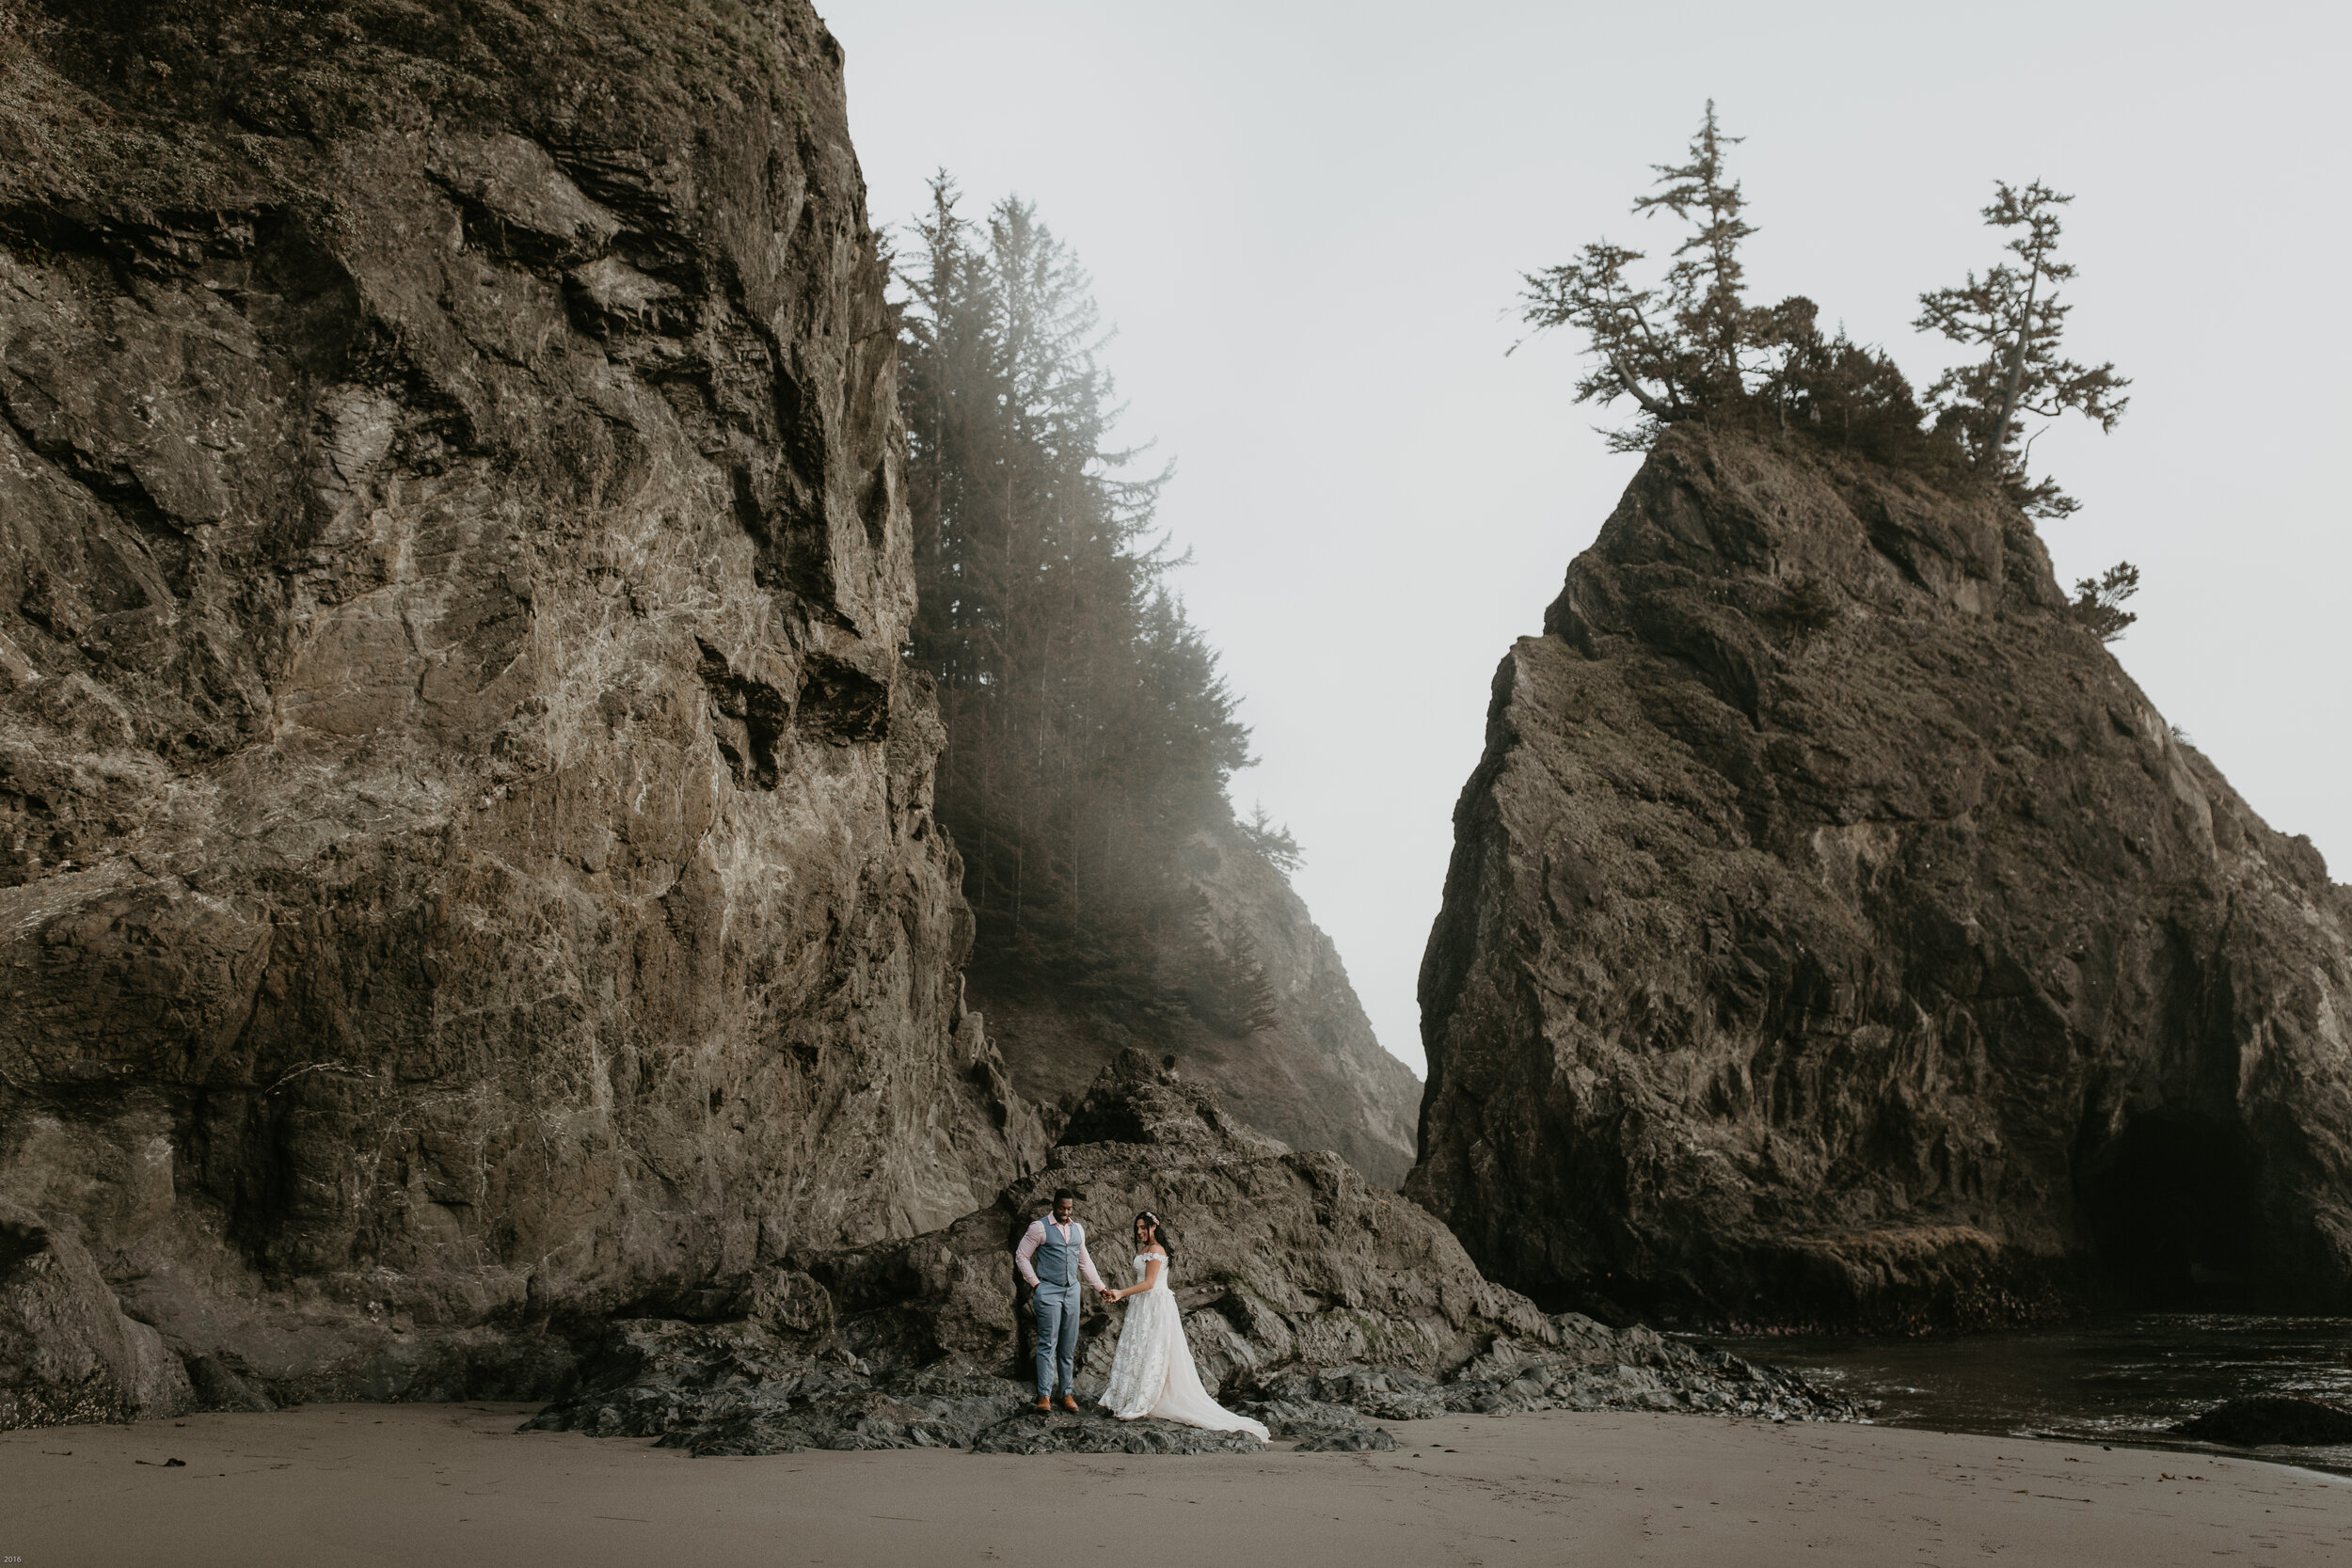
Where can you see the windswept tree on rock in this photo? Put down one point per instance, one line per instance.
(2014, 313)
(1690, 345)
(1681, 347)
(2099, 601)
(1687, 345)
(1271, 839)
(1705, 283)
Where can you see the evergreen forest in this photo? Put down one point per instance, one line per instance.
(1089, 734)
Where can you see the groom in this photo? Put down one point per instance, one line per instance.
(1052, 1256)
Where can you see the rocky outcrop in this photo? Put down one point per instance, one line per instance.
(465, 858)
(1835, 934)
(67, 1352)
(1311, 1299)
(1282, 1257)
(1284, 1041)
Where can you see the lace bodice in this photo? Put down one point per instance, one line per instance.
(1143, 1266)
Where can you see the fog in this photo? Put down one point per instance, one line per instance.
(1307, 221)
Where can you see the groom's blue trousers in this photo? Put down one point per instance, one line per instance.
(1056, 1339)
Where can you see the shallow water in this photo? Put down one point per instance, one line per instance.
(2116, 1380)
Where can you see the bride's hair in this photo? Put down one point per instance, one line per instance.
(1159, 1234)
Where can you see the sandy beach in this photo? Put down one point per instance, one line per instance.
(335, 1484)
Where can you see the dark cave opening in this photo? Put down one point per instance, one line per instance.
(2171, 1212)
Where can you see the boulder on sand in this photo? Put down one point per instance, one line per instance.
(67, 1352)
(2264, 1418)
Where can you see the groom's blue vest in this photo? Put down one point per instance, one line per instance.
(1056, 1261)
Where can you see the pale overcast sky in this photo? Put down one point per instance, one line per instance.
(1307, 222)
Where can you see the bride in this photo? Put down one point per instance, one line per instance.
(1152, 1374)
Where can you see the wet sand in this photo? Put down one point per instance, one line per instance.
(371, 1484)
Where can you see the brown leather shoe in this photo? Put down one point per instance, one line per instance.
(1043, 1405)
(1069, 1404)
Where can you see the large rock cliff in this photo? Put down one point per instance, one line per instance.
(465, 843)
(1287, 1048)
(1835, 934)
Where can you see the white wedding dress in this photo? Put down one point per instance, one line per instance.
(1152, 1374)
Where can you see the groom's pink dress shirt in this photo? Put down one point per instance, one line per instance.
(1034, 1237)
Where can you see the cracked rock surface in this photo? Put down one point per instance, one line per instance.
(1835, 935)
(465, 853)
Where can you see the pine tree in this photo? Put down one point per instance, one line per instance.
(1227, 986)
(1704, 284)
(2099, 601)
(1271, 840)
(1628, 333)
(1691, 345)
(2013, 312)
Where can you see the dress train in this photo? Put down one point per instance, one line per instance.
(1153, 1373)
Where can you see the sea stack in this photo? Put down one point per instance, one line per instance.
(1835, 935)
